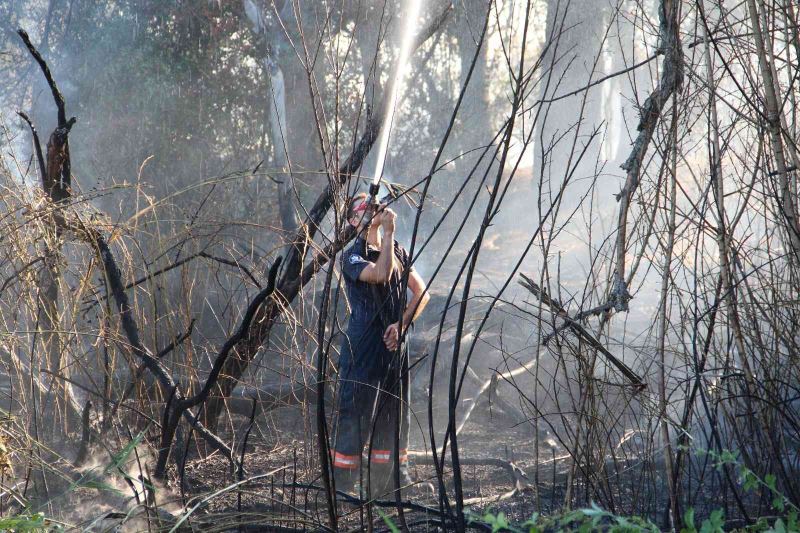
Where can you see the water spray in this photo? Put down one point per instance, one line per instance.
(412, 15)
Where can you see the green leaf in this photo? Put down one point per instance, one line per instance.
(714, 523)
(532, 520)
(769, 481)
(777, 503)
(749, 480)
(24, 523)
(595, 513)
(760, 525)
(594, 510)
(791, 522)
(572, 516)
(100, 485)
(626, 524)
(500, 523)
(530, 523)
(778, 526)
(119, 459)
(726, 457)
(388, 521)
(688, 521)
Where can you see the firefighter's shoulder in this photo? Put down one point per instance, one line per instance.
(353, 256)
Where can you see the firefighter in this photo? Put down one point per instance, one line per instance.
(371, 438)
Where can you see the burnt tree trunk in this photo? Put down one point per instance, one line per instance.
(55, 172)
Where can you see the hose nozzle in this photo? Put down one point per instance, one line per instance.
(374, 189)
(374, 202)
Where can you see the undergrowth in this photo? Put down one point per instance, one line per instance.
(594, 518)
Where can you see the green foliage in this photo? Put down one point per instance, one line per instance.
(497, 522)
(714, 523)
(789, 524)
(34, 522)
(586, 520)
(594, 518)
(688, 521)
(388, 521)
(751, 482)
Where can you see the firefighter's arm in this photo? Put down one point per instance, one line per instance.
(381, 270)
(419, 300)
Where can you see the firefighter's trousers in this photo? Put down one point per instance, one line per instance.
(371, 436)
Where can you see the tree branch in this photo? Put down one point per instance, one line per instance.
(59, 99)
(671, 81)
(37, 145)
(581, 332)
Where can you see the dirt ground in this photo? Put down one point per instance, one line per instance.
(499, 466)
(282, 453)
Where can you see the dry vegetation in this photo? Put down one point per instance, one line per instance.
(600, 343)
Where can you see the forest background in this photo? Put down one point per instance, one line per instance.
(602, 197)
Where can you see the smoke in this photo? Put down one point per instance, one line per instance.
(189, 95)
(119, 485)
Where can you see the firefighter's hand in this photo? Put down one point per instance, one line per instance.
(391, 336)
(387, 219)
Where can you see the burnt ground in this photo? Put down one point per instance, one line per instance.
(283, 452)
(282, 456)
(283, 448)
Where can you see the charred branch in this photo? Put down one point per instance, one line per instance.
(56, 178)
(57, 97)
(650, 115)
(581, 332)
(37, 146)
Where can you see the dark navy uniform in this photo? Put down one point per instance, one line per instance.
(373, 381)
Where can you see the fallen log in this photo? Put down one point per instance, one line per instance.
(517, 474)
(581, 332)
